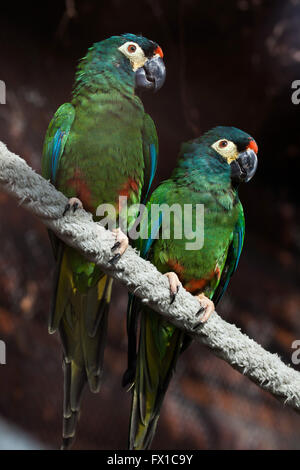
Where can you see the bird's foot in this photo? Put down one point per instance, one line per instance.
(174, 284)
(73, 204)
(120, 245)
(206, 309)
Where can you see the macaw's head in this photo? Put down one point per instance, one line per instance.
(127, 60)
(235, 148)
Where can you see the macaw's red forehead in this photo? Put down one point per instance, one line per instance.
(159, 51)
(151, 49)
(253, 146)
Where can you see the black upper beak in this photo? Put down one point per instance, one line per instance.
(152, 75)
(244, 167)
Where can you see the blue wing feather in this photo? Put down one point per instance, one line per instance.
(55, 140)
(147, 243)
(57, 143)
(153, 166)
(150, 153)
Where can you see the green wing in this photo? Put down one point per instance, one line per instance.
(231, 263)
(233, 256)
(55, 140)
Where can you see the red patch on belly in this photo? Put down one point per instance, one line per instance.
(176, 267)
(82, 190)
(196, 286)
(127, 190)
(129, 187)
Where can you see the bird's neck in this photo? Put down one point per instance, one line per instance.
(104, 82)
(202, 174)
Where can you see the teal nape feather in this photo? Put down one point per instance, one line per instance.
(98, 147)
(203, 175)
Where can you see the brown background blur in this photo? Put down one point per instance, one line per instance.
(228, 63)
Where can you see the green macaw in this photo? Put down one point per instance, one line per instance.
(100, 146)
(208, 173)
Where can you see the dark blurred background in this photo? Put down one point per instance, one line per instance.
(228, 63)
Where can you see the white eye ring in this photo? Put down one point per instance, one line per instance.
(136, 57)
(226, 149)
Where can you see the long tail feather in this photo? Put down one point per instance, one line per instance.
(80, 314)
(132, 318)
(159, 348)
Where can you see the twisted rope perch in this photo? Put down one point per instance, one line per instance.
(79, 230)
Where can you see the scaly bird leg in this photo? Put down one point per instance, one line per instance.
(74, 203)
(207, 307)
(174, 284)
(120, 246)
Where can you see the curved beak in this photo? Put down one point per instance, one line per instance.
(152, 75)
(244, 167)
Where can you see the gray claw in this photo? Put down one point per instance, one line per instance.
(67, 208)
(201, 310)
(173, 296)
(115, 259)
(116, 245)
(196, 325)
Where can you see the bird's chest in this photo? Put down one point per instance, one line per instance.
(198, 256)
(103, 158)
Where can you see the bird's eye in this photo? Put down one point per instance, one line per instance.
(131, 48)
(227, 149)
(223, 144)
